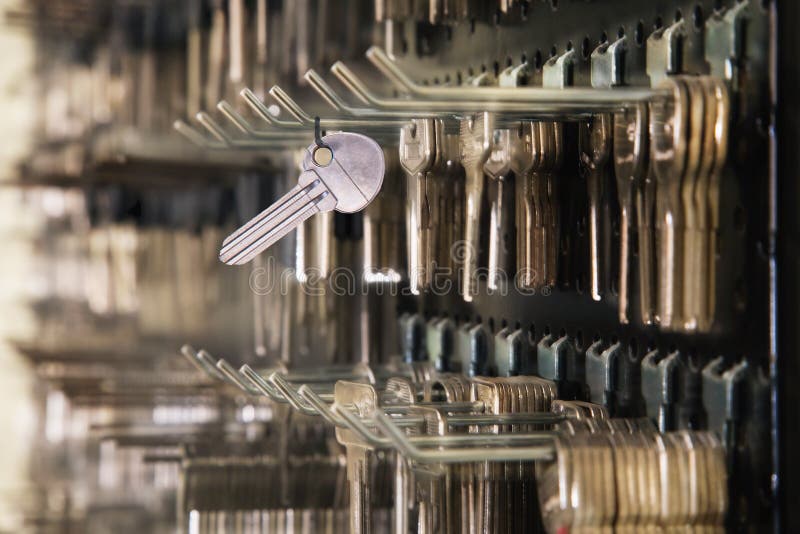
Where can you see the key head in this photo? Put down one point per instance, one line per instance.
(498, 164)
(668, 132)
(525, 148)
(595, 140)
(417, 146)
(351, 167)
(630, 142)
(476, 140)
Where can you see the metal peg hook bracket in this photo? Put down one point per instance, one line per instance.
(407, 448)
(318, 134)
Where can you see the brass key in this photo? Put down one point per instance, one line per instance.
(526, 155)
(668, 127)
(698, 162)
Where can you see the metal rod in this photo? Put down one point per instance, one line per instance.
(531, 102)
(459, 455)
(234, 377)
(580, 96)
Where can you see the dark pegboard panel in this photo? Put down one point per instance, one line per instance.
(449, 54)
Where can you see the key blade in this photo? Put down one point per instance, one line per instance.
(248, 226)
(275, 222)
(269, 234)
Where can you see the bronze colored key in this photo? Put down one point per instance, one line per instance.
(698, 160)
(527, 155)
(668, 133)
(552, 137)
(722, 103)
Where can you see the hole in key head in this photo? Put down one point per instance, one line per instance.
(323, 156)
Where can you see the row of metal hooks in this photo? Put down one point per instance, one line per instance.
(507, 419)
(316, 397)
(382, 117)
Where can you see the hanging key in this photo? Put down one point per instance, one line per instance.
(709, 268)
(498, 169)
(383, 243)
(436, 193)
(476, 144)
(417, 154)
(595, 148)
(452, 204)
(526, 155)
(552, 157)
(645, 212)
(698, 160)
(668, 128)
(344, 173)
(630, 160)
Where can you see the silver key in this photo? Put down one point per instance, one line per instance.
(417, 156)
(345, 174)
(526, 154)
(476, 144)
(498, 168)
(630, 159)
(595, 148)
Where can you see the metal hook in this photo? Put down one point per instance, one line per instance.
(234, 377)
(388, 68)
(533, 95)
(286, 140)
(262, 385)
(296, 402)
(321, 406)
(263, 112)
(531, 102)
(458, 455)
(318, 134)
(287, 103)
(360, 427)
(356, 425)
(191, 355)
(245, 127)
(374, 126)
(193, 135)
(207, 362)
(325, 91)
